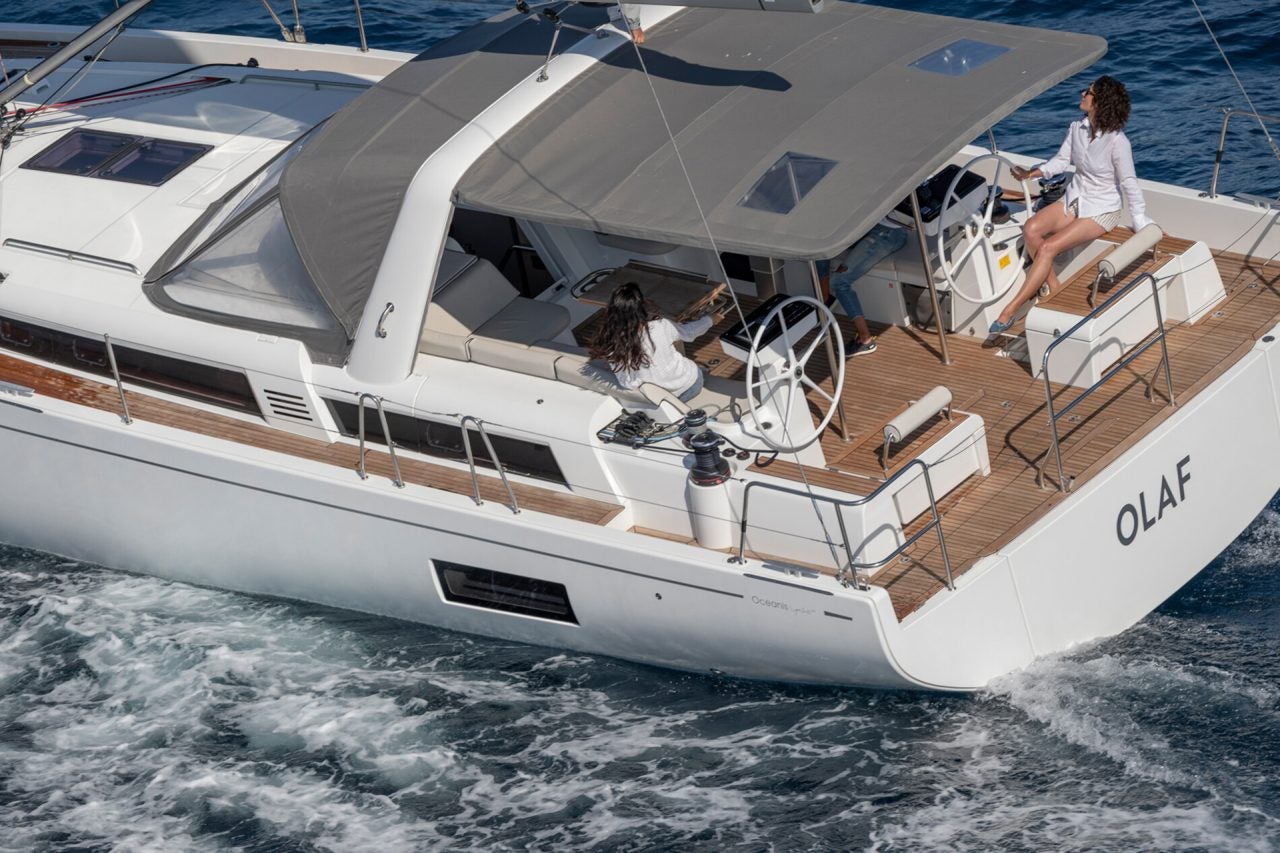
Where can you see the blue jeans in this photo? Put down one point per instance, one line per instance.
(692, 391)
(876, 245)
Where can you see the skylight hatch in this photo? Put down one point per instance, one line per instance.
(117, 157)
(787, 182)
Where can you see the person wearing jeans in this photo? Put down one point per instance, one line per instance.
(885, 238)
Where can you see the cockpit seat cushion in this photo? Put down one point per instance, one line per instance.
(518, 358)
(595, 375)
(472, 298)
(525, 321)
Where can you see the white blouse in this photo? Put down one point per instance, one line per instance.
(667, 366)
(1104, 168)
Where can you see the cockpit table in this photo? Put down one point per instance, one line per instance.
(678, 295)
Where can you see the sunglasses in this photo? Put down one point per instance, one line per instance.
(1087, 93)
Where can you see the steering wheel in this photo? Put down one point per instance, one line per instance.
(981, 233)
(788, 377)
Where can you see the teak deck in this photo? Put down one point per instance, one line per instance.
(986, 513)
(979, 517)
(55, 383)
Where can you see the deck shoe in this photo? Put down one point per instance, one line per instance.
(998, 328)
(856, 348)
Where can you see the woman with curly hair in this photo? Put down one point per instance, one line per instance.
(1099, 150)
(640, 346)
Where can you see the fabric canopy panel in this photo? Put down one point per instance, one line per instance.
(741, 91)
(341, 195)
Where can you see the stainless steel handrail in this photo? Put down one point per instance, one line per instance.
(493, 457)
(115, 371)
(1227, 114)
(843, 573)
(1159, 337)
(386, 434)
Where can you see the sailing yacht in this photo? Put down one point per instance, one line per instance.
(312, 321)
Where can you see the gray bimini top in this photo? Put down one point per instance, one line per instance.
(799, 131)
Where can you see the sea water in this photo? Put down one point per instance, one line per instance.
(137, 714)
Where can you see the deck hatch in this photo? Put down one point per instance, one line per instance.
(508, 593)
(960, 57)
(117, 157)
(787, 182)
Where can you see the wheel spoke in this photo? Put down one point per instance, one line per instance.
(992, 195)
(792, 388)
(804, 359)
(969, 250)
(784, 330)
(809, 383)
(770, 391)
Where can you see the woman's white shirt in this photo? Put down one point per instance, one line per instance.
(1104, 168)
(667, 366)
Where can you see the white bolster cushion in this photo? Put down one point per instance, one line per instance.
(1130, 250)
(917, 413)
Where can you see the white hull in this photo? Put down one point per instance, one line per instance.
(407, 312)
(155, 500)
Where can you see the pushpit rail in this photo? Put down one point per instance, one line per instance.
(1158, 338)
(849, 574)
(1227, 114)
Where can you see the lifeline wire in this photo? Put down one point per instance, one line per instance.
(1274, 149)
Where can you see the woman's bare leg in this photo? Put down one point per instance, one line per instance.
(1076, 233)
(1046, 222)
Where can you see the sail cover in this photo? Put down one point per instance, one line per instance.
(798, 131)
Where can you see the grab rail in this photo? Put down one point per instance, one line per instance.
(1164, 358)
(493, 457)
(386, 434)
(1227, 114)
(843, 574)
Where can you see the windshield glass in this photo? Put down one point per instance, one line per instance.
(252, 272)
(243, 198)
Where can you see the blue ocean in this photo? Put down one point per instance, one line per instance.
(142, 715)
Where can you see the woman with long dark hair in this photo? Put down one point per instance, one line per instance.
(1098, 148)
(640, 346)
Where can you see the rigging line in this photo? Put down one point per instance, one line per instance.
(1274, 149)
(69, 84)
(182, 87)
(74, 80)
(813, 499)
(284, 31)
(689, 181)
